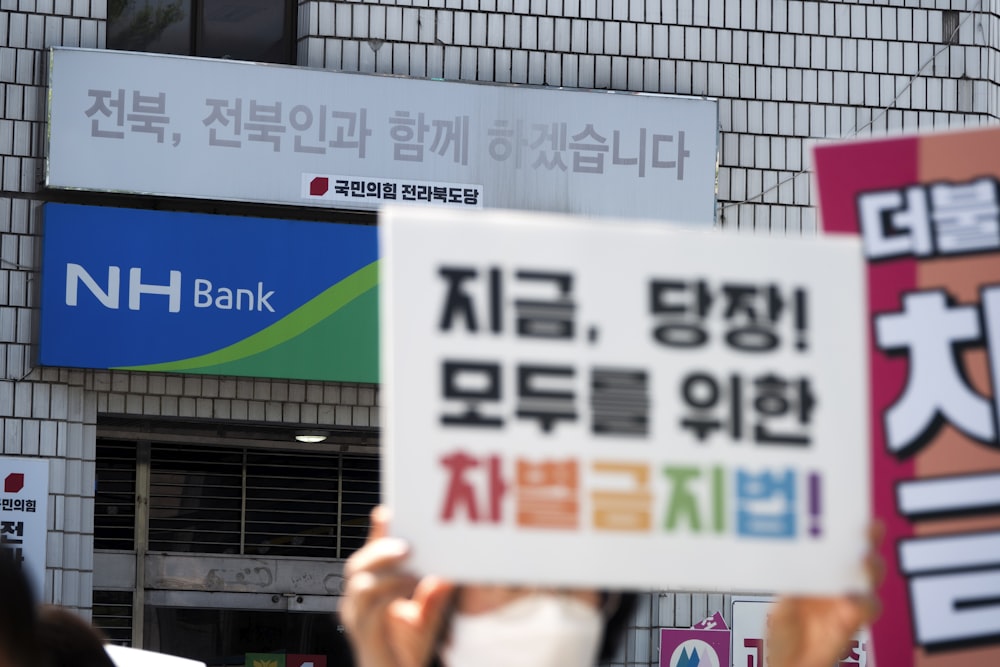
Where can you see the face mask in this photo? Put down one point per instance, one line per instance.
(538, 630)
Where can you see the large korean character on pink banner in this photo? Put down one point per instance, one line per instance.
(928, 211)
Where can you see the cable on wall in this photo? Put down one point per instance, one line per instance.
(857, 130)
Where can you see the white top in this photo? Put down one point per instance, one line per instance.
(123, 656)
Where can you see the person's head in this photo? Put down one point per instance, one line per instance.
(69, 641)
(18, 646)
(505, 625)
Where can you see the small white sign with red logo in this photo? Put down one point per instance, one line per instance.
(24, 495)
(372, 191)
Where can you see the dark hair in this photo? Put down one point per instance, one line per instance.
(616, 626)
(18, 622)
(69, 641)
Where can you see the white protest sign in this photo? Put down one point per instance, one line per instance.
(749, 634)
(576, 403)
(24, 503)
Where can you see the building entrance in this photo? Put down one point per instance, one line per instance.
(228, 550)
(250, 637)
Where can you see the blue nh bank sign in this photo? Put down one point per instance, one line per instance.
(195, 293)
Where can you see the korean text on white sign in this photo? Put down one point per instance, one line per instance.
(221, 129)
(749, 635)
(585, 404)
(24, 501)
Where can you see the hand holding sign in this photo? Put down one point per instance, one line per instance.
(392, 619)
(813, 631)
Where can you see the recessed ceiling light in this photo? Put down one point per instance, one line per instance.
(311, 436)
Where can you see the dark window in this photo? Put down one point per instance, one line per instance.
(949, 27)
(112, 614)
(257, 502)
(114, 502)
(258, 30)
(253, 501)
(225, 636)
(195, 499)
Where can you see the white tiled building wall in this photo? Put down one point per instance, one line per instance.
(53, 413)
(43, 412)
(786, 72)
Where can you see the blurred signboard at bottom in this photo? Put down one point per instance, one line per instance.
(704, 645)
(749, 618)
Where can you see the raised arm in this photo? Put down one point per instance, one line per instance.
(392, 619)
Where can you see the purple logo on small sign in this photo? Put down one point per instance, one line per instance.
(713, 622)
(704, 645)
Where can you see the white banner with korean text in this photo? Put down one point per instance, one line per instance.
(221, 129)
(749, 635)
(589, 404)
(24, 503)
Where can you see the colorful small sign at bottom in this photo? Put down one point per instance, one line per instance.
(704, 645)
(294, 660)
(284, 660)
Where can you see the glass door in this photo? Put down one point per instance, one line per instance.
(244, 636)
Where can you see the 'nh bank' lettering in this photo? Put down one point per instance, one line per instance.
(222, 298)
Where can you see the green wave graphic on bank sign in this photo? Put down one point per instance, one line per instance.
(333, 337)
